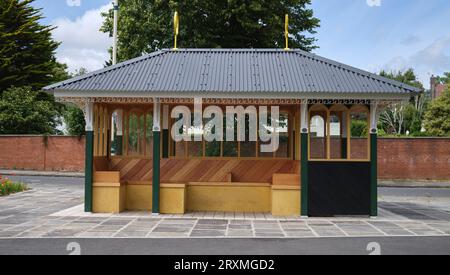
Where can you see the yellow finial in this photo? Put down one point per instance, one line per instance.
(176, 26)
(286, 32)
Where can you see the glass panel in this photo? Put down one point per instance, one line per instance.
(269, 129)
(149, 135)
(114, 141)
(136, 139)
(248, 148)
(178, 149)
(195, 148)
(283, 131)
(359, 135)
(133, 135)
(212, 149)
(338, 140)
(230, 148)
(318, 139)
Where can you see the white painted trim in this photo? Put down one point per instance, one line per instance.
(240, 95)
(156, 115)
(374, 115)
(89, 116)
(304, 118)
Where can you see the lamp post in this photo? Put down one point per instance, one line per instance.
(116, 21)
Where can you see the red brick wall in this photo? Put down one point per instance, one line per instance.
(398, 158)
(44, 154)
(414, 158)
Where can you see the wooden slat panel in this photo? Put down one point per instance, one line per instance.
(204, 170)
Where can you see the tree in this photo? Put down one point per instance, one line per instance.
(445, 79)
(74, 116)
(146, 25)
(26, 47)
(74, 119)
(437, 117)
(23, 111)
(404, 117)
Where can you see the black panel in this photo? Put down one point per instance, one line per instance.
(339, 189)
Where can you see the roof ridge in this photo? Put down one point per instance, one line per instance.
(106, 69)
(358, 71)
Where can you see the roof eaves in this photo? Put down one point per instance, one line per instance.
(104, 70)
(359, 71)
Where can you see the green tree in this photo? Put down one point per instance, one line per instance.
(445, 79)
(74, 119)
(146, 25)
(408, 77)
(74, 116)
(404, 117)
(23, 111)
(437, 117)
(26, 47)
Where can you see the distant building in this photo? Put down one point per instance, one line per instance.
(437, 88)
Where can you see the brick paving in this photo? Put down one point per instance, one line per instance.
(56, 211)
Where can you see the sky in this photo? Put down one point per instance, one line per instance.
(371, 35)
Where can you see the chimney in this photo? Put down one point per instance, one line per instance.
(433, 83)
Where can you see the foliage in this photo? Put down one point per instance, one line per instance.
(408, 77)
(23, 111)
(26, 47)
(74, 119)
(8, 187)
(404, 117)
(359, 128)
(74, 116)
(437, 117)
(146, 25)
(445, 79)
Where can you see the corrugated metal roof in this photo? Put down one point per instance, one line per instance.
(232, 70)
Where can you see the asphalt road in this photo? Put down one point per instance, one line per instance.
(325, 246)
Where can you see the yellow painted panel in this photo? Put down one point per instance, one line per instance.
(139, 197)
(108, 199)
(173, 200)
(111, 176)
(286, 179)
(229, 199)
(286, 202)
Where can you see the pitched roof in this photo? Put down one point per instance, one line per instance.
(229, 71)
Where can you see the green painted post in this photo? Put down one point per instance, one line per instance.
(165, 143)
(373, 175)
(304, 174)
(89, 162)
(156, 173)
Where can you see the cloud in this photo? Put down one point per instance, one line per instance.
(83, 45)
(73, 3)
(432, 59)
(374, 3)
(410, 40)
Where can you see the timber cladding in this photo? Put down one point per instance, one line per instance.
(204, 170)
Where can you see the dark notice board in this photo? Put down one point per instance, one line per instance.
(339, 189)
